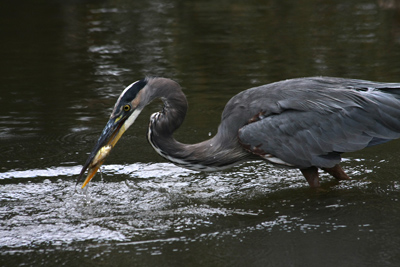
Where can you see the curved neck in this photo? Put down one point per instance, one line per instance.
(220, 152)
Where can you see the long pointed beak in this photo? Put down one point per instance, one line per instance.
(112, 132)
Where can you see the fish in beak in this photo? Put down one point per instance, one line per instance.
(113, 131)
(127, 108)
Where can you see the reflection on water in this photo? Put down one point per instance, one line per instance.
(158, 209)
(158, 200)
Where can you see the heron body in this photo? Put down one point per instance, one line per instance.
(304, 123)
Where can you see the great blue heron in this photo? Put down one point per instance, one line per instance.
(304, 123)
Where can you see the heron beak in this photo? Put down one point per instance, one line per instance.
(112, 132)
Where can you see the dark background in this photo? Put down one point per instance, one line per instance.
(63, 65)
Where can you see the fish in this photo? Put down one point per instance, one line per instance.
(101, 156)
(97, 162)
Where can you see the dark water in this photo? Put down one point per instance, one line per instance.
(63, 63)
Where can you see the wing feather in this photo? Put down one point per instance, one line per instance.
(315, 132)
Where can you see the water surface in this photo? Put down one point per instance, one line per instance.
(63, 65)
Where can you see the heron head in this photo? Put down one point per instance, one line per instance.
(127, 108)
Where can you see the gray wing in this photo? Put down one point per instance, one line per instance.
(314, 128)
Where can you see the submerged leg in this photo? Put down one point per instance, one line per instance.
(311, 175)
(337, 172)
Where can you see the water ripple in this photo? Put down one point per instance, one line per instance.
(160, 202)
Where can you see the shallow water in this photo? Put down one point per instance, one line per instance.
(157, 209)
(63, 65)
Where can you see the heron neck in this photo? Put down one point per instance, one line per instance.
(220, 152)
(209, 155)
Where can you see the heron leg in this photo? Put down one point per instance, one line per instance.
(311, 175)
(337, 172)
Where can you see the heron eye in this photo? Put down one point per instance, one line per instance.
(127, 108)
